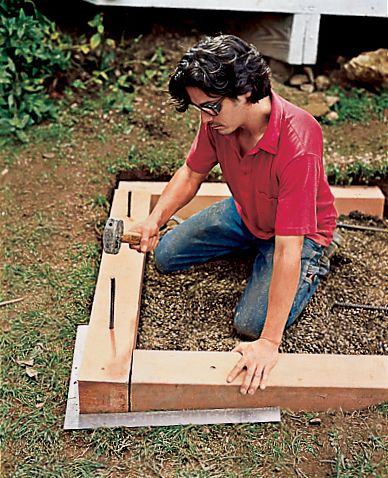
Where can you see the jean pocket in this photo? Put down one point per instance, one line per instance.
(311, 273)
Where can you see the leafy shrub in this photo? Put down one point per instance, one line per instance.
(32, 54)
(357, 172)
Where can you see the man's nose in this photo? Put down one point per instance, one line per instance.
(205, 117)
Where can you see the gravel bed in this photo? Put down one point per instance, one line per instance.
(193, 310)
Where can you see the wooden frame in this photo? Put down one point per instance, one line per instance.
(115, 377)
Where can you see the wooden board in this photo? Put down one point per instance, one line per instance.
(171, 380)
(104, 374)
(366, 199)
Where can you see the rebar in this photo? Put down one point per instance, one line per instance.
(362, 228)
(350, 305)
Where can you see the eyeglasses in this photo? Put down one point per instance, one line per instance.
(211, 108)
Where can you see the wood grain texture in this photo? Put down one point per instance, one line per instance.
(366, 199)
(104, 372)
(172, 380)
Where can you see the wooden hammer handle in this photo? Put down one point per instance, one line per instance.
(132, 238)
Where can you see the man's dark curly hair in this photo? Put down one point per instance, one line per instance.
(223, 65)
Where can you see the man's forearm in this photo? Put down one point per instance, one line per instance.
(282, 291)
(179, 191)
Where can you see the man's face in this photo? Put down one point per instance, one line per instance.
(222, 114)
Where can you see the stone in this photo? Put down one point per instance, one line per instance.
(315, 421)
(317, 105)
(48, 155)
(309, 72)
(281, 71)
(332, 116)
(297, 80)
(322, 83)
(308, 88)
(370, 67)
(331, 100)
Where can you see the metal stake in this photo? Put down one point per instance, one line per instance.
(112, 303)
(349, 305)
(362, 228)
(129, 200)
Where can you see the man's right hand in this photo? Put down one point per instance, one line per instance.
(149, 231)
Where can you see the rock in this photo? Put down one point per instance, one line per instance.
(4, 171)
(308, 88)
(331, 100)
(48, 155)
(309, 72)
(332, 116)
(317, 105)
(297, 80)
(322, 83)
(280, 71)
(370, 67)
(315, 421)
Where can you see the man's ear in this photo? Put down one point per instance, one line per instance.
(245, 96)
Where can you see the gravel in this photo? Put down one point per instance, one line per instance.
(193, 310)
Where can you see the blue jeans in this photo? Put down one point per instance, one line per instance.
(219, 230)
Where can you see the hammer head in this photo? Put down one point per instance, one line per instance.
(113, 233)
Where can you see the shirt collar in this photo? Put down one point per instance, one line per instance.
(270, 141)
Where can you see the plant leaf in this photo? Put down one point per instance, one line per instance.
(95, 41)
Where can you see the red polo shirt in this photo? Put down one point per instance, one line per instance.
(279, 186)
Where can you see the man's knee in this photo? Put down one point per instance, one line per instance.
(162, 257)
(247, 327)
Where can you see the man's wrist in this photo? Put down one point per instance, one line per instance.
(268, 339)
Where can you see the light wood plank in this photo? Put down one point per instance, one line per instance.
(366, 199)
(104, 374)
(172, 380)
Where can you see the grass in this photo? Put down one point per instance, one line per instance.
(359, 105)
(51, 256)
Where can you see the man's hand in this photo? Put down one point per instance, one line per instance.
(149, 231)
(258, 358)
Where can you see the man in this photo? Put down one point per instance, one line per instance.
(270, 153)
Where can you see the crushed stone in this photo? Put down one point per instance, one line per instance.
(193, 310)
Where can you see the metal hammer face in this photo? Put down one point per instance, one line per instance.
(112, 235)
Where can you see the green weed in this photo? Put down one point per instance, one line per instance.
(359, 105)
(358, 172)
(155, 69)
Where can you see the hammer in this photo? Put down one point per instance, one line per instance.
(114, 235)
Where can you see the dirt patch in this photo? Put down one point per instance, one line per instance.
(193, 310)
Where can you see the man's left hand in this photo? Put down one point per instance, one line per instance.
(258, 358)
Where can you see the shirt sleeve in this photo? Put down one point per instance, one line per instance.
(296, 212)
(202, 156)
